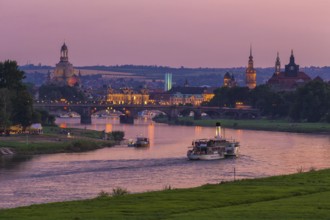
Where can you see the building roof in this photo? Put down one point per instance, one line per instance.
(283, 81)
(227, 75)
(187, 90)
(318, 78)
(209, 90)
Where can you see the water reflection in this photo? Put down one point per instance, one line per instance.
(198, 130)
(108, 127)
(12, 161)
(59, 177)
(151, 133)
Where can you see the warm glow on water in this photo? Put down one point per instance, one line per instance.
(58, 177)
(108, 127)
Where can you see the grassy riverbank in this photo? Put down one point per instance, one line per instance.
(260, 124)
(298, 196)
(57, 140)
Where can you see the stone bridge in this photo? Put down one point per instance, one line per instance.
(87, 109)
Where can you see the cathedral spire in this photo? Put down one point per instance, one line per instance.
(292, 58)
(251, 57)
(277, 65)
(250, 65)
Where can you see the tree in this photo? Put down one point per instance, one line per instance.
(43, 117)
(22, 109)
(312, 102)
(15, 101)
(10, 76)
(270, 103)
(5, 108)
(54, 92)
(227, 97)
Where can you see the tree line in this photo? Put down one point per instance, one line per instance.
(16, 103)
(310, 103)
(56, 92)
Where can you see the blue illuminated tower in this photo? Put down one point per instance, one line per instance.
(168, 81)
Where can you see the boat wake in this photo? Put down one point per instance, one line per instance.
(99, 166)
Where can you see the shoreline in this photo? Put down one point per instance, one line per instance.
(57, 140)
(257, 124)
(261, 198)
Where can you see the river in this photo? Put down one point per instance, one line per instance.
(72, 176)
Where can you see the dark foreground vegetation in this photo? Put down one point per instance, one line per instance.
(15, 100)
(297, 196)
(16, 103)
(309, 103)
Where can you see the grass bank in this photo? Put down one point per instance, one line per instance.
(297, 196)
(260, 124)
(57, 140)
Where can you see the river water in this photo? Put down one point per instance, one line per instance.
(71, 176)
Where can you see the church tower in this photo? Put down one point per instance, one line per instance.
(277, 65)
(64, 71)
(292, 69)
(226, 79)
(251, 73)
(64, 53)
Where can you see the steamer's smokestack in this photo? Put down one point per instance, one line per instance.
(218, 130)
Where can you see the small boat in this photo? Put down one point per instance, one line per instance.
(131, 143)
(140, 142)
(64, 115)
(74, 115)
(213, 148)
(69, 115)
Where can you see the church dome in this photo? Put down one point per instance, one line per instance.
(227, 75)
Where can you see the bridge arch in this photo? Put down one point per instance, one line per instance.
(87, 109)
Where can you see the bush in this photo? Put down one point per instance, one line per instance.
(167, 187)
(117, 135)
(103, 194)
(80, 145)
(312, 169)
(300, 170)
(118, 191)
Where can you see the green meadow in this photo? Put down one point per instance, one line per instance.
(57, 140)
(296, 196)
(258, 124)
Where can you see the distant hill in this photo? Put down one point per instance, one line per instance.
(195, 76)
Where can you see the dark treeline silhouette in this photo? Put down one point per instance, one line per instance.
(310, 102)
(57, 92)
(16, 103)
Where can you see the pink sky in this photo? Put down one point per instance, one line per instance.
(190, 33)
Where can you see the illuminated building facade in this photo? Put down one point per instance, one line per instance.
(229, 80)
(208, 94)
(251, 73)
(128, 96)
(64, 71)
(190, 95)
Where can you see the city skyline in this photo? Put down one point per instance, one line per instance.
(168, 33)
